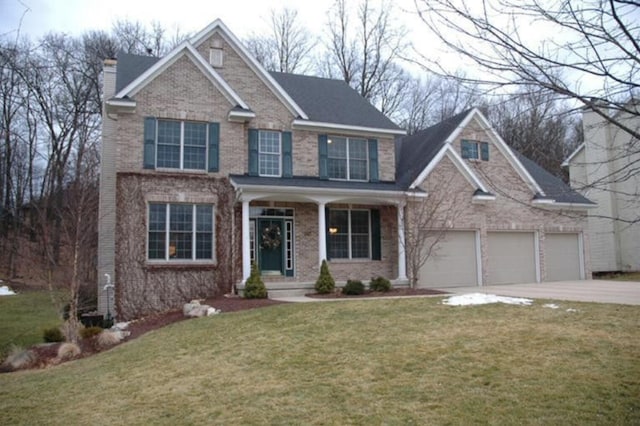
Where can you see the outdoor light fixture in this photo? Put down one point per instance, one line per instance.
(333, 230)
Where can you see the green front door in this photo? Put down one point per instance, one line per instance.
(271, 246)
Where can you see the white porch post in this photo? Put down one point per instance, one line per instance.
(322, 241)
(402, 259)
(246, 249)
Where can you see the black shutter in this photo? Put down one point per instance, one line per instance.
(376, 249)
(322, 157)
(253, 152)
(149, 151)
(214, 147)
(373, 160)
(287, 160)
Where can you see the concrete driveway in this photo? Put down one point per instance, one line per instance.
(622, 292)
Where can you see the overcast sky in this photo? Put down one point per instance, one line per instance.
(241, 16)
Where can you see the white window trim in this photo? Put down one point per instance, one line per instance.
(206, 146)
(349, 234)
(478, 145)
(347, 141)
(193, 260)
(271, 153)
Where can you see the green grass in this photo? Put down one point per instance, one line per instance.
(411, 361)
(23, 317)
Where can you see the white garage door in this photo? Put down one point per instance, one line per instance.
(562, 257)
(453, 264)
(511, 257)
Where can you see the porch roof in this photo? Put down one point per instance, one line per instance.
(320, 190)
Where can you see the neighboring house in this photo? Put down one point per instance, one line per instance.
(210, 163)
(605, 168)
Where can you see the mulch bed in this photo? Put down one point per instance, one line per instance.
(391, 293)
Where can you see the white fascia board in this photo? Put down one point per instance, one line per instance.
(219, 26)
(460, 164)
(123, 103)
(506, 151)
(183, 48)
(551, 204)
(427, 170)
(566, 162)
(317, 125)
(241, 115)
(483, 198)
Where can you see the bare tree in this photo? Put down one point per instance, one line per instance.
(428, 220)
(537, 125)
(287, 47)
(365, 50)
(590, 58)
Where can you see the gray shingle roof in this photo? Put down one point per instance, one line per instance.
(332, 101)
(314, 182)
(415, 152)
(130, 67)
(553, 187)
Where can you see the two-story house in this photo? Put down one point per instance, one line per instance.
(605, 168)
(210, 163)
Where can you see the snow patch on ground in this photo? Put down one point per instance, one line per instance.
(483, 299)
(551, 306)
(5, 291)
(572, 310)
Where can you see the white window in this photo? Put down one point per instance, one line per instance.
(348, 158)
(180, 231)
(474, 150)
(269, 153)
(349, 234)
(181, 145)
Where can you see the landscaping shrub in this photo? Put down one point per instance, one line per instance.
(353, 288)
(254, 288)
(380, 284)
(325, 282)
(53, 335)
(89, 332)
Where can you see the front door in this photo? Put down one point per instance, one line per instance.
(271, 246)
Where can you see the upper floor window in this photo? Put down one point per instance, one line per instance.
(269, 153)
(347, 158)
(475, 150)
(180, 231)
(182, 145)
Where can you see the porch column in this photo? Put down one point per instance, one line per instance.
(402, 258)
(322, 241)
(246, 248)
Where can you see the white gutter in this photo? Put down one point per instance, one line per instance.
(312, 125)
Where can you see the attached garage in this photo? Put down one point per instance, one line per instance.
(562, 257)
(511, 257)
(454, 263)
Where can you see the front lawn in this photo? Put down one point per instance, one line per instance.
(24, 316)
(410, 361)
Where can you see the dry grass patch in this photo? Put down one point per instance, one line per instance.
(383, 361)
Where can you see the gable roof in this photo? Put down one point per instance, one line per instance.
(418, 154)
(130, 67)
(332, 101)
(415, 152)
(566, 162)
(183, 49)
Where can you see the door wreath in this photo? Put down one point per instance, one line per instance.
(271, 237)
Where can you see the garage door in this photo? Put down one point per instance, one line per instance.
(511, 257)
(453, 264)
(562, 257)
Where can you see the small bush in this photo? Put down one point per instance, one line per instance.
(89, 332)
(68, 351)
(353, 288)
(254, 288)
(325, 282)
(380, 284)
(52, 335)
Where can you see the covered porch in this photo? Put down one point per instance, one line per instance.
(289, 226)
